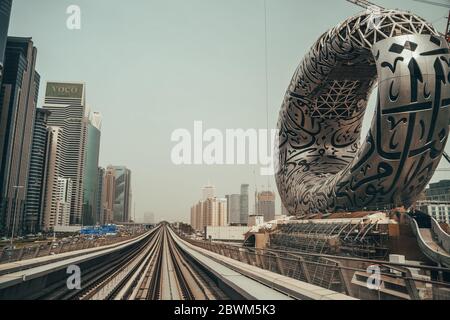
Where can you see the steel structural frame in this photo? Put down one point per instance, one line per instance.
(321, 166)
(328, 271)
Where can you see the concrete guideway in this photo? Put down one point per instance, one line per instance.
(31, 263)
(256, 280)
(21, 273)
(156, 266)
(250, 289)
(136, 271)
(431, 239)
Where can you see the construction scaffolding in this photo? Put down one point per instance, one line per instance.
(346, 275)
(365, 239)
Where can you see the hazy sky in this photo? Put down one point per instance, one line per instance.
(152, 66)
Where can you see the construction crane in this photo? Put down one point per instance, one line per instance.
(366, 4)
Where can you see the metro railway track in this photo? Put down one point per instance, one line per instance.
(168, 275)
(158, 265)
(92, 278)
(155, 270)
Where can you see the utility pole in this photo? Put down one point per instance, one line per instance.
(16, 189)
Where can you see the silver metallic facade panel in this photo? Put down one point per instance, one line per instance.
(322, 164)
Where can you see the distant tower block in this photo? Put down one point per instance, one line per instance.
(208, 192)
(244, 204)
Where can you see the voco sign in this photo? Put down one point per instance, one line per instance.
(64, 90)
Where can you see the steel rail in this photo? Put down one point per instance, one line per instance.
(138, 284)
(118, 280)
(91, 276)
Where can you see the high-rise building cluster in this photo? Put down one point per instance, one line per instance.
(49, 155)
(216, 212)
(210, 211)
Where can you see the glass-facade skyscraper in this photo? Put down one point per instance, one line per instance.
(18, 96)
(91, 185)
(36, 176)
(99, 211)
(244, 204)
(5, 13)
(122, 199)
(67, 104)
(234, 208)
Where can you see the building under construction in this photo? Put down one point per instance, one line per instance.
(410, 249)
(360, 234)
(369, 235)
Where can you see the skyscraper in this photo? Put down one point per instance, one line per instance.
(54, 205)
(214, 211)
(244, 204)
(36, 177)
(18, 99)
(108, 194)
(197, 220)
(67, 104)
(90, 185)
(222, 212)
(266, 205)
(234, 209)
(122, 199)
(208, 191)
(210, 212)
(100, 198)
(63, 195)
(5, 13)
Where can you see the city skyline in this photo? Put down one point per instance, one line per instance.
(238, 53)
(49, 165)
(219, 151)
